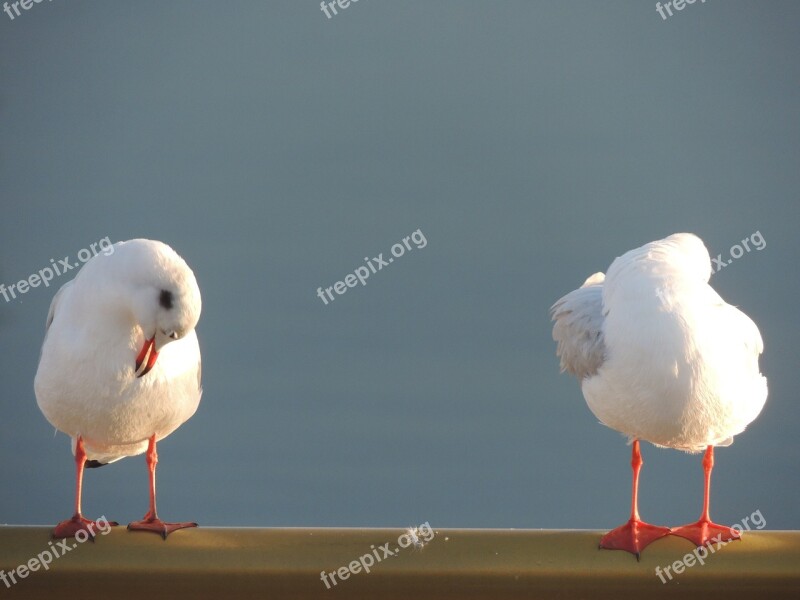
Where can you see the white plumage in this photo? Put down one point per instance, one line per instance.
(86, 382)
(120, 363)
(660, 356)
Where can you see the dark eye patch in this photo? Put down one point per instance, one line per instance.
(165, 299)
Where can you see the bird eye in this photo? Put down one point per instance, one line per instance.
(165, 299)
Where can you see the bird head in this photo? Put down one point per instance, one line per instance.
(163, 296)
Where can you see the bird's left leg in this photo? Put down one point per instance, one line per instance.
(705, 530)
(151, 522)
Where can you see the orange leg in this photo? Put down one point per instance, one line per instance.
(78, 523)
(151, 522)
(635, 535)
(705, 530)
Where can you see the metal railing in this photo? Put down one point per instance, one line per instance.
(326, 563)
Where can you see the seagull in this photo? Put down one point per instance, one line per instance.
(662, 358)
(120, 363)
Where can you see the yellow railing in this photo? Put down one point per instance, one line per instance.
(454, 563)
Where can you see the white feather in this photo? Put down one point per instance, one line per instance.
(85, 384)
(680, 365)
(578, 328)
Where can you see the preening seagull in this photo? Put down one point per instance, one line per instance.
(662, 358)
(120, 363)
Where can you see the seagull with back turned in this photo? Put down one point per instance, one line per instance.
(661, 357)
(120, 363)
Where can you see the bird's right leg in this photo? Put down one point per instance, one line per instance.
(151, 522)
(705, 531)
(635, 535)
(78, 522)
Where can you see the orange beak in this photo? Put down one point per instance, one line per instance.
(147, 357)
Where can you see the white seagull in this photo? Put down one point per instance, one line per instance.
(120, 363)
(661, 357)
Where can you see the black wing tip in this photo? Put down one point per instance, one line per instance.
(94, 464)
